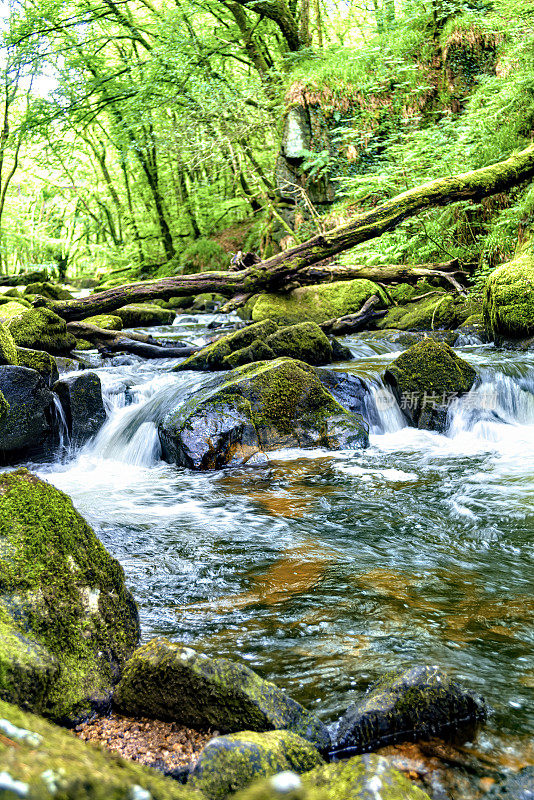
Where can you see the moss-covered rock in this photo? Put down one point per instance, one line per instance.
(49, 290)
(212, 357)
(406, 705)
(11, 310)
(41, 761)
(40, 361)
(438, 311)
(169, 681)
(509, 298)
(229, 763)
(425, 379)
(144, 315)
(207, 302)
(245, 311)
(367, 777)
(263, 406)
(4, 408)
(304, 341)
(22, 301)
(8, 348)
(109, 322)
(68, 621)
(41, 329)
(84, 344)
(403, 293)
(257, 351)
(317, 303)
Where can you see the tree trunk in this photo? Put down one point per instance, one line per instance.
(294, 264)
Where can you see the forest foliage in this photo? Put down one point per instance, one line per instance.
(134, 133)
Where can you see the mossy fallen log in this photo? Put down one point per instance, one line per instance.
(276, 272)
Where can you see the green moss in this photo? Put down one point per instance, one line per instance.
(84, 344)
(140, 315)
(12, 310)
(108, 322)
(508, 306)
(257, 351)
(49, 290)
(427, 314)
(8, 349)
(229, 763)
(304, 341)
(40, 361)
(61, 588)
(213, 356)
(360, 778)
(317, 303)
(4, 300)
(41, 329)
(4, 408)
(52, 762)
(404, 293)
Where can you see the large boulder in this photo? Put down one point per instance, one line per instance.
(317, 303)
(406, 705)
(305, 341)
(143, 315)
(429, 313)
(214, 355)
(30, 427)
(170, 681)
(49, 290)
(508, 306)
(109, 322)
(229, 763)
(254, 409)
(367, 777)
(425, 379)
(41, 361)
(41, 329)
(81, 399)
(39, 760)
(68, 624)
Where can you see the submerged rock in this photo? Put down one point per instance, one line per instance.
(508, 306)
(229, 763)
(260, 407)
(425, 379)
(67, 622)
(30, 427)
(317, 303)
(41, 329)
(169, 681)
(366, 777)
(406, 705)
(81, 399)
(39, 760)
(141, 315)
(515, 787)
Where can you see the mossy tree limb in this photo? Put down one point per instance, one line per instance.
(277, 271)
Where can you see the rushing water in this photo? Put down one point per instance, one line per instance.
(328, 569)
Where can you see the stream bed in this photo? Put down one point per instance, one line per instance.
(328, 569)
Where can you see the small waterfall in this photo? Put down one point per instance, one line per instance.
(131, 432)
(383, 412)
(63, 428)
(488, 409)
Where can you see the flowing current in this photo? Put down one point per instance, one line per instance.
(327, 569)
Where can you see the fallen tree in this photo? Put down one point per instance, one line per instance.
(292, 265)
(138, 344)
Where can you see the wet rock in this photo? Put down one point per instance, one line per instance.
(109, 322)
(49, 762)
(230, 763)
(425, 379)
(257, 351)
(41, 329)
(264, 406)
(366, 777)
(81, 399)
(40, 361)
(317, 303)
(408, 705)
(213, 356)
(515, 787)
(339, 351)
(30, 427)
(67, 622)
(142, 315)
(508, 306)
(350, 391)
(169, 681)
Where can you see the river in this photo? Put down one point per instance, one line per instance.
(327, 569)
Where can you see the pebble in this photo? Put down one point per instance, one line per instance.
(165, 745)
